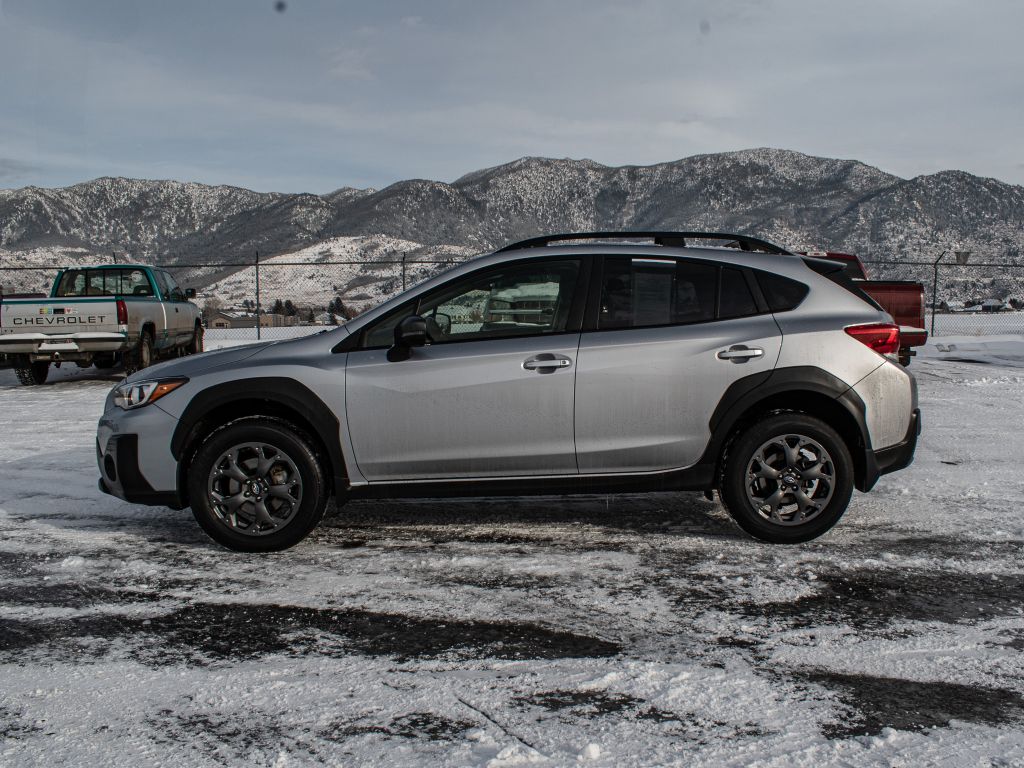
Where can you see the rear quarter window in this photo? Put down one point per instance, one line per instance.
(837, 274)
(781, 293)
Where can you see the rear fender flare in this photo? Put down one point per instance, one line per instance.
(750, 394)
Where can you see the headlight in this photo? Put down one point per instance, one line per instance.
(136, 394)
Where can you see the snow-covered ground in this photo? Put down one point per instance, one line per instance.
(606, 631)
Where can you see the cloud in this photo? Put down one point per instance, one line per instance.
(350, 64)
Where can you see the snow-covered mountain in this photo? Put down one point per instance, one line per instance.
(792, 198)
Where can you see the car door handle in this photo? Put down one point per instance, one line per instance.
(740, 353)
(546, 363)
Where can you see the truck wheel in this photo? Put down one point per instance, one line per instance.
(31, 374)
(104, 362)
(196, 345)
(140, 357)
(257, 485)
(787, 479)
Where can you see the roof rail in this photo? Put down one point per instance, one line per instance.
(669, 239)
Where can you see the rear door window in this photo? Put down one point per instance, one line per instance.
(647, 292)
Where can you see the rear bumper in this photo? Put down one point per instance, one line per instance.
(901, 455)
(51, 346)
(120, 475)
(894, 457)
(913, 337)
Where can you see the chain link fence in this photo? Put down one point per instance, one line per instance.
(276, 299)
(982, 299)
(243, 302)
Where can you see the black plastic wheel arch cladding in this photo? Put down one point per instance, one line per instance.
(744, 395)
(279, 394)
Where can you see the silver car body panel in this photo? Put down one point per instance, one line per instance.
(463, 410)
(644, 396)
(890, 390)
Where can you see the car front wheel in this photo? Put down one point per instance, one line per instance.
(787, 479)
(257, 485)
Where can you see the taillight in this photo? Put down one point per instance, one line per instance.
(122, 312)
(884, 338)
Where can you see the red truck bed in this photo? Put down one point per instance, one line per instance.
(903, 299)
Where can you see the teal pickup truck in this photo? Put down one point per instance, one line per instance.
(119, 313)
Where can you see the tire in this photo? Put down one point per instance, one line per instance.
(291, 465)
(104, 362)
(31, 374)
(140, 357)
(787, 479)
(196, 345)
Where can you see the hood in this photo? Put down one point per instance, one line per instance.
(193, 364)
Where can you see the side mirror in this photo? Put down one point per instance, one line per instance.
(190, 293)
(410, 332)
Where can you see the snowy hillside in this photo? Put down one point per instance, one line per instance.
(793, 198)
(800, 201)
(372, 277)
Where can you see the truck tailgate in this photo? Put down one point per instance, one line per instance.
(59, 325)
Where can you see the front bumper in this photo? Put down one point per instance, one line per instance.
(120, 475)
(134, 456)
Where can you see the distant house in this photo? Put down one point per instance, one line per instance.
(221, 320)
(992, 305)
(270, 320)
(231, 320)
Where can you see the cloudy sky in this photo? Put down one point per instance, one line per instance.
(328, 94)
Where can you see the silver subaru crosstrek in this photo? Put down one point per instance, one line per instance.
(638, 361)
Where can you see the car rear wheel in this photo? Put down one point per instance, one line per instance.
(257, 485)
(787, 479)
(31, 374)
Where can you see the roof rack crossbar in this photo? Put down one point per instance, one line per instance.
(668, 239)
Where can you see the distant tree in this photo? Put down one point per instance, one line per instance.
(1016, 303)
(333, 319)
(211, 306)
(290, 309)
(337, 307)
(278, 308)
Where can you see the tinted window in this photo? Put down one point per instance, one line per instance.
(636, 293)
(104, 282)
(513, 300)
(840, 277)
(735, 299)
(781, 293)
